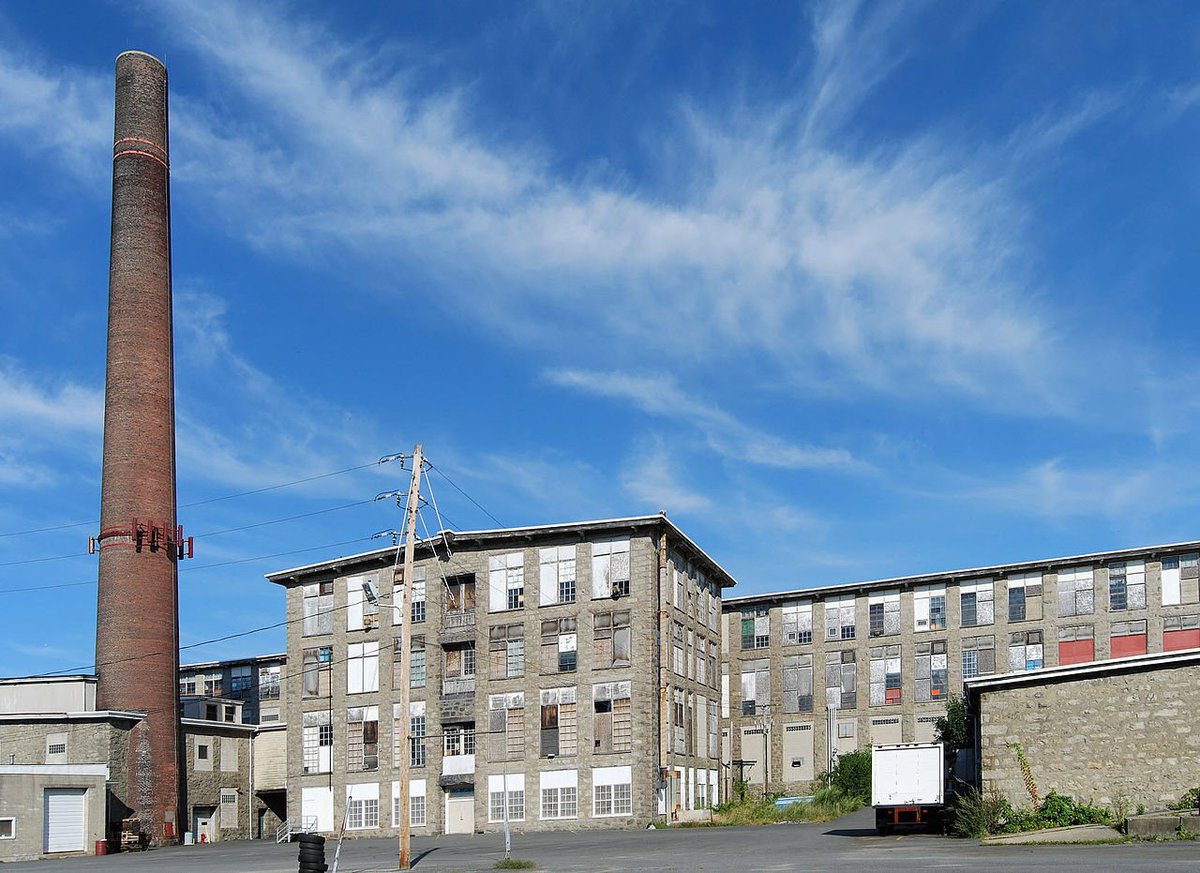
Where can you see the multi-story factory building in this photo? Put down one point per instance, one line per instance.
(569, 672)
(886, 655)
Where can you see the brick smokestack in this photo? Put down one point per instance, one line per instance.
(137, 626)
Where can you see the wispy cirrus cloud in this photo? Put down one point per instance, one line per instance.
(832, 264)
(661, 396)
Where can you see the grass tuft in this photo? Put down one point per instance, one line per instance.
(515, 864)
(827, 805)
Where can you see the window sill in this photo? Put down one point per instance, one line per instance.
(557, 603)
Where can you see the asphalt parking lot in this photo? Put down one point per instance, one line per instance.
(849, 844)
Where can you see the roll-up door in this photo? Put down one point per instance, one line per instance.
(65, 819)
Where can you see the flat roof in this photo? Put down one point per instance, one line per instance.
(45, 680)
(217, 725)
(89, 715)
(970, 573)
(100, 770)
(283, 577)
(1113, 666)
(229, 662)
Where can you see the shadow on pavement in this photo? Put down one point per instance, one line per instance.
(852, 832)
(421, 857)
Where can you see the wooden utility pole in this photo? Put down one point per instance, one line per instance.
(410, 530)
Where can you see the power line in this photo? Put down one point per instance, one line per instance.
(186, 569)
(208, 534)
(383, 460)
(465, 494)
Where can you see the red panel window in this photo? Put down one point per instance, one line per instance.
(891, 696)
(1174, 641)
(1131, 644)
(1076, 652)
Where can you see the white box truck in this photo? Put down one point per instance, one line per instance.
(908, 785)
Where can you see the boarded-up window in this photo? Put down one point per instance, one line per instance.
(1127, 586)
(362, 738)
(612, 639)
(1025, 596)
(839, 618)
(610, 568)
(929, 607)
(883, 613)
(931, 671)
(317, 665)
(559, 646)
(506, 651)
(229, 755)
(978, 656)
(559, 732)
(557, 575)
(841, 678)
(1181, 632)
(460, 593)
(506, 581)
(797, 623)
(506, 726)
(612, 723)
(318, 608)
(1075, 644)
(1180, 579)
(1025, 650)
(976, 603)
(756, 686)
(416, 734)
(1076, 591)
(362, 668)
(317, 742)
(885, 675)
(1128, 638)
(756, 627)
(460, 661)
(797, 684)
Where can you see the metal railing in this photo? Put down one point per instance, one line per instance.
(302, 825)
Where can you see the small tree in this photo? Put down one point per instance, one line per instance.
(951, 729)
(852, 774)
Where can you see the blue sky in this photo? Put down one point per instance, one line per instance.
(851, 290)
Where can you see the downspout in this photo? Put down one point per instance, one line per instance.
(663, 695)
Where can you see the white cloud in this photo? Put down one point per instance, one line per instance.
(652, 481)
(662, 396)
(63, 111)
(47, 406)
(833, 267)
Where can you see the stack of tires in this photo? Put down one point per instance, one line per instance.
(312, 853)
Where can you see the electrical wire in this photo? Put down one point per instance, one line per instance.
(456, 487)
(383, 460)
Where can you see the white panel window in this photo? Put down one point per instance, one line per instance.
(797, 623)
(839, 618)
(612, 791)
(506, 581)
(508, 789)
(354, 603)
(1180, 579)
(556, 580)
(977, 603)
(560, 794)
(416, 598)
(229, 755)
(883, 613)
(362, 668)
(316, 805)
(1076, 591)
(417, 805)
(610, 568)
(362, 806)
(929, 607)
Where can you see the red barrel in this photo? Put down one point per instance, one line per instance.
(101, 847)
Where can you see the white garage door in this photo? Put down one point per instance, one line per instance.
(65, 819)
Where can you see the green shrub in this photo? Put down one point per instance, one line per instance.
(977, 814)
(828, 804)
(851, 775)
(514, 864)
(951, 729)
(1190, 800)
